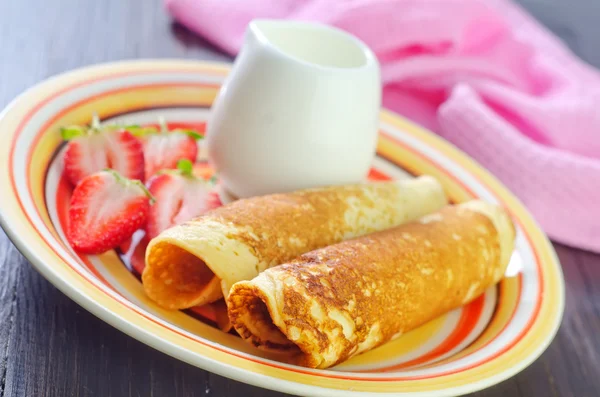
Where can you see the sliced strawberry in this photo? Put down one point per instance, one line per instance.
(84, 156)
(163, 148)
(99, 147)
(105, 210)
(213, 200)
(125, 154)
(180, 196)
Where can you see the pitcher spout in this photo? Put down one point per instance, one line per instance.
(312, 44)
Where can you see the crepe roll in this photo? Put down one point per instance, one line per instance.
(336, 302)
(198, 261)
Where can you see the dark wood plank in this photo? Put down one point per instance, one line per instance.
(49, 346)
(10, 270)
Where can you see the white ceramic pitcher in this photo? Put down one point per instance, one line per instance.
(300, 109)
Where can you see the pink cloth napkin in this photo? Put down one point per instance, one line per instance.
(480, 73)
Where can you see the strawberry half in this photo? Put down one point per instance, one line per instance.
(163, 148)
(105, 210)
(180, 196)
(99, 147)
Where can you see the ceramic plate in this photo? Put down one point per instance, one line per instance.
(468, 349)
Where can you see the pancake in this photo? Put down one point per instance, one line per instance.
(198, 261)
(339, 301)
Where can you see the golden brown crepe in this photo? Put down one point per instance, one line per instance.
(336, 302)
(197, 262)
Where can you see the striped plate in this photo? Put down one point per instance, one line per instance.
(468, 349)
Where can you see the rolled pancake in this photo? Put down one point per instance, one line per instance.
(336, 302)
(197, 262)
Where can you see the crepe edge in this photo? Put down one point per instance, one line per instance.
(505, 230)
(245, 319)
(209, 241)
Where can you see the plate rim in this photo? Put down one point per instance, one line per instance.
(228, 370)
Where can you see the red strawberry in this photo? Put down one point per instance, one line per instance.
(163, 149)
(179, 197)
(96, 148)
(105, 210)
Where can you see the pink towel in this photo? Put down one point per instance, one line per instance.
(480, 73)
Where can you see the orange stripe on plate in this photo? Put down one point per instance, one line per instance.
(497, 324)
(468, 320)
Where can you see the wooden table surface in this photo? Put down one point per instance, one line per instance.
(49, 346)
